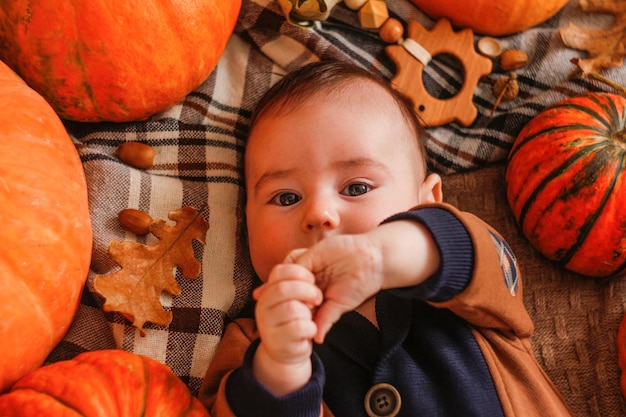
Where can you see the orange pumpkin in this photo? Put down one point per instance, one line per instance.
(45, 229)
(566, 183)
(97, 60)
(105, 383)
(492, 17)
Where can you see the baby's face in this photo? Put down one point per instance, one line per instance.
(327, 167)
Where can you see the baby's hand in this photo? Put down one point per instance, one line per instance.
(349, 271)
(285, 321)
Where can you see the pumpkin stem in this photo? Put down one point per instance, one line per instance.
(594, 75)
(620, 136)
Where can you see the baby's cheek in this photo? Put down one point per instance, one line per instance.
(265, 255)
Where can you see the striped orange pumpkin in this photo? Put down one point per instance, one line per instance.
(565, 182)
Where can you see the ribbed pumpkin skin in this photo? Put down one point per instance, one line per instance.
(45, 229)
(566, 185)
(492, 17)
(96, 60)
(105, 383)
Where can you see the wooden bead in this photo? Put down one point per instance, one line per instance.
(354, 4)
(373, 14)
(391, 31)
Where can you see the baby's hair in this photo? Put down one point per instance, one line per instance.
(328, 78)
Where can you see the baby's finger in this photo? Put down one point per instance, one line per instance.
(290, 290)
(300, 329)
(326, 316)
(292, 340)
(293, 255)
(285, 313)
(304, 258)
(284, 272)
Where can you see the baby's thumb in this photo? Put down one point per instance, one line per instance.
(325, 317)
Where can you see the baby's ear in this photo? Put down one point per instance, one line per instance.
(431, 190)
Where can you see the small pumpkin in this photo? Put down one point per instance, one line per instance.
(105, 383)
(96, 60)
(492, 17)
(45, 229)
(566, 183)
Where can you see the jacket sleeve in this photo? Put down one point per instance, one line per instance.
(230, 389)
(479, 279)
(236, 339)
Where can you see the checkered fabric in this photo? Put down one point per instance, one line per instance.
(200, 141)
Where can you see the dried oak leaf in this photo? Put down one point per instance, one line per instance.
(146, 271)
(606, 48)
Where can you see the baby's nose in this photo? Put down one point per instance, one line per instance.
(321, 214)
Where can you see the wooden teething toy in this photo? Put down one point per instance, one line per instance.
(441, 39)
(411, 55)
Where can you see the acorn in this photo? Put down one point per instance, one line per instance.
(136, 154)
(513, 59)
(135, 221)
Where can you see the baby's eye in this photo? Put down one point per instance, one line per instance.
(357, 189)
(286, 199)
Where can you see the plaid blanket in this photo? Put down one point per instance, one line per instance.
(200, 142)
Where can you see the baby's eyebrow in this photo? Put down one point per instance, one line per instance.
(271, 175)
(361, 162)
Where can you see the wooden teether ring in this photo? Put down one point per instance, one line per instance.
(408, 80)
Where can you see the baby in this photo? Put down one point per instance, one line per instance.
(377, 299)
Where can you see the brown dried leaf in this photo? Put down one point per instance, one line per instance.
(134, 290)
(605, 48)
